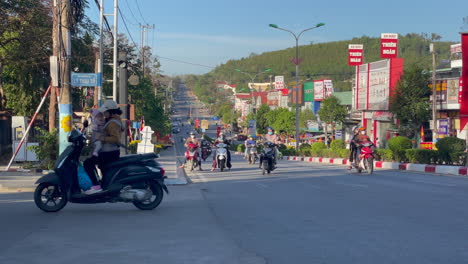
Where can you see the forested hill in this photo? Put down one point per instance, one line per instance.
(330, 60)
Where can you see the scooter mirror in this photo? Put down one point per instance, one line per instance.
(85, 124)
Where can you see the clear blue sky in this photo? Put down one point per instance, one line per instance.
(211, 32)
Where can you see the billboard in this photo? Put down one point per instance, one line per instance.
(279, 82)
(309, 92)
(456, 56)
(318, 90)
(355, 54)
(375, 82)
(389, 45)
(463, 91)
(452, 90)
(301, 95)
(327, 88)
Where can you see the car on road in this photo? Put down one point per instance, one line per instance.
(175, 130)
(241, 137)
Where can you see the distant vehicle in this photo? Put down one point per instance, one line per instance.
(175, 130)
(241, 137)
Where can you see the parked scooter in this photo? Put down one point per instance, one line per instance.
(192, 156)
(366, 158)
(267, 157)
(252, 153)
(221, 155)
(134, 178)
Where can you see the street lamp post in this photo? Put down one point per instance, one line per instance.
(296, 61)
(252, 77)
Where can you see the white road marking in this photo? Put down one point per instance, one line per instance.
(435, 183)
(262, 185)
(352, 184)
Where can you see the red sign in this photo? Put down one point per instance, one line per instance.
(197, 123)
(463, 94)
(355, 54)
(389, 46)
(426, 145)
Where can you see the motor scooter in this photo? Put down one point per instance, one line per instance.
(138, 179)
(267, 157)
(206, 150)
(252, 153)
(192, 157)
(221, 155)
(366, 158)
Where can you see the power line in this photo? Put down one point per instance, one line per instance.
(125, 24)
(138, 7)
(185, 62)
(105, 19)
(133, 15)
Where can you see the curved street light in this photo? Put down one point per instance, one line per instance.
(252, 77)
(296, 61)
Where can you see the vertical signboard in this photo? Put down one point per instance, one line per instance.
(456, 55)
(379, 85)
(452, 90)
(279, 82)
(361, 87)
(309, 92)
(327, 88)
(319, 90)
(301, 95)
(389, 45)
(464, 85)
(355, 54)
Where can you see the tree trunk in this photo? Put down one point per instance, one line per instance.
(325, 131)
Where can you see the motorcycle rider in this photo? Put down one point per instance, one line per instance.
(248, 142)
(353, 147)
(110, 138)
(274, 138)
(194, 140)
(222, 139)
(361, 138)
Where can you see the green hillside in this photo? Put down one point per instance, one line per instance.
(329, 60)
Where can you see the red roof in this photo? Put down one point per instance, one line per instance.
(243, 95)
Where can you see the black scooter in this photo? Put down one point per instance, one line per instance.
(267, 157)
(134, 178)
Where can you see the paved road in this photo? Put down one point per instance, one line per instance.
(301, 213)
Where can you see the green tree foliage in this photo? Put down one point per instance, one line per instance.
(282, 119)
(331, 112)
(305, 116)
(410, 101)
(261, 117)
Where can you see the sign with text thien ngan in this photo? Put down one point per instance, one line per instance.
(355, 54)
(389, 45)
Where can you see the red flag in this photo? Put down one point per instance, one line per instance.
(422, 133)
(463, 93)
(142, 123)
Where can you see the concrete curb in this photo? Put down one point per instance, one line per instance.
(437, 169)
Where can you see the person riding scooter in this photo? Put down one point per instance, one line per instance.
(250, 142)
(222, 139)
(273, 138)
(192, 139)
(360, 139)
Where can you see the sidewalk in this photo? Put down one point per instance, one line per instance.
(22, 180)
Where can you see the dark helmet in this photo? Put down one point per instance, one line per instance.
(192, 133)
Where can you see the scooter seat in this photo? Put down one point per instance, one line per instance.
(129, 159)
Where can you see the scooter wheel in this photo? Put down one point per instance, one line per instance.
(155, 199)
(49, 197)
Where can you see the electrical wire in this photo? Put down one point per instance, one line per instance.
(133, 15)
(125, 24)
(138, 7)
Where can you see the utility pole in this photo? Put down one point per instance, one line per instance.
(98, 91)
(434, 97)
(123, 93)
(65, 107)
(114, 79)
(97, 88)
(143, 31)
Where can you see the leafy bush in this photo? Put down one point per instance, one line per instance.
(304, 149)
(383, 154)
(422, 156)
(289, 151)
(344, 153)
(338, 144)
(317, 148)
(47, 149)
(330, 153)
(459, 158)
(132, 146)
(447, 146)
(241, 148)
(398, 146)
